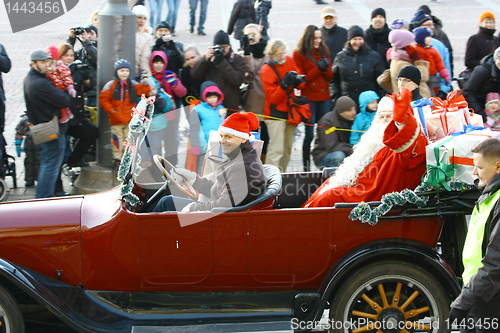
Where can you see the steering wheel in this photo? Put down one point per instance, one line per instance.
(187, 189)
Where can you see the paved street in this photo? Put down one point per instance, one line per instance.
(287, 18)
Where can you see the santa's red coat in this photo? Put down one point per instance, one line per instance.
(397, 166)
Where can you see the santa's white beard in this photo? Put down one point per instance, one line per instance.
(363, 152)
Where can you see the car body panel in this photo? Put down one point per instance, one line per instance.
(45, 237)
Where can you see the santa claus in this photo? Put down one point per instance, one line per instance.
(389, 157)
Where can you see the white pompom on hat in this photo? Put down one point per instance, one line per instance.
(240, 124)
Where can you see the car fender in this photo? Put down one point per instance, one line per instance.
(47, 292)
(415, 252)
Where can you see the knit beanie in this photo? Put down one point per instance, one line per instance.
(411, 72)
(164, 24)
(140, 10)
(121, 63)
(426, 9)
(421, 17)
(344, 103)
(93, 28)
(496, 54)
(240, 124)
(400, 38)
(421, 34)
(378, 11)
(355, 31)
(486, 15)
(221, 38)
(492, 97)
(398, 24)
(53, 52)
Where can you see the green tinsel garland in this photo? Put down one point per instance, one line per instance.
(129, 166)
(366, 214)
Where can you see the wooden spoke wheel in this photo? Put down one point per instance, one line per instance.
(390, 297)
(187, 188)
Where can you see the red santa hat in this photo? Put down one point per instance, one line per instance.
(240, 124)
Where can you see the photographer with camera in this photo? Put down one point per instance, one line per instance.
(312, 57)
(172, 49)
(224, 67)
(279, 78)
(87, 54)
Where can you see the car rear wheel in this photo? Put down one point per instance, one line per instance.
(11, 317)
(390, 297)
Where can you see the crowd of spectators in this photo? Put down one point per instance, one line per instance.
(332, 68)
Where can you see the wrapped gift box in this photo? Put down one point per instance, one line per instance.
(476, 120)
(451, 157)
(448, 116)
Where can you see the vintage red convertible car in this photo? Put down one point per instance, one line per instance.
(101, 265)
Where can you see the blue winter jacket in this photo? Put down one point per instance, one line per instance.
(445, 54)
(363, 119)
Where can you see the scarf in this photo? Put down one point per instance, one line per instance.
(257, 50)
(400, 54)
(119, 93)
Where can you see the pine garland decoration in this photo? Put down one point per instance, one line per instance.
(129, 166)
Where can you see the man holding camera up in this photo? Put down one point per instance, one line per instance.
(172, 49)
(279, 78)
(224, 67)
(87, 55)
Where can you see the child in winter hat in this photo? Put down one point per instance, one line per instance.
(492, 110)
(117, 98)
(60, 75)
(368, 103)
(430, 54)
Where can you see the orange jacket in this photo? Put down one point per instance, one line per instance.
(317, 86)
(273, 92)
(120, 112)
(431, 55)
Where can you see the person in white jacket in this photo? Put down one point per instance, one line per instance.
(143, 41)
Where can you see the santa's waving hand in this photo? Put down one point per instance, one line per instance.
(399, 162)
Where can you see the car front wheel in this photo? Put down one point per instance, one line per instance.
(11, 317)
(390, 297)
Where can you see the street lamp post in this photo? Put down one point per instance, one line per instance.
(117, 27)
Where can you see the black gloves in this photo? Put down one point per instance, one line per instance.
(323, 64)
(218, 57)
(288, 80)
(458, 315)
(245, 43)
(171, 45)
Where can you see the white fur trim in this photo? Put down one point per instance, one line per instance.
(412, 140)
(234, 132)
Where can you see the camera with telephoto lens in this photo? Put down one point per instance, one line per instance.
(79, 30)
(218, 50)
(83, 69)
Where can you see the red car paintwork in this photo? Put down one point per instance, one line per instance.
(120, 250)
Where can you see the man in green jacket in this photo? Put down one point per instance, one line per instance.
(478, 306)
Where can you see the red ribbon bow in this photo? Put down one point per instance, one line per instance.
(131, 146)
(139, 112)
(452, 103)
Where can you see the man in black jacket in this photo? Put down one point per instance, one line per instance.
(484, 79)
(225, 68)
(478, 306)
(43, 102)
(333, 35)
(377, 35)
(5, 66)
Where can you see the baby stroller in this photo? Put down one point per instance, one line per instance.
(7, 168)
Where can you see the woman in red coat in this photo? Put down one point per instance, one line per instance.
(312, 58)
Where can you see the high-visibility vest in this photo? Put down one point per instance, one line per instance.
(473, 247)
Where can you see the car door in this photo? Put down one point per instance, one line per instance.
(175, 253)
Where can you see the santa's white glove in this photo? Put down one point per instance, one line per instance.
(189, 175)
(187, 208)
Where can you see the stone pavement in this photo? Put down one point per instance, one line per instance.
(288, 19)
